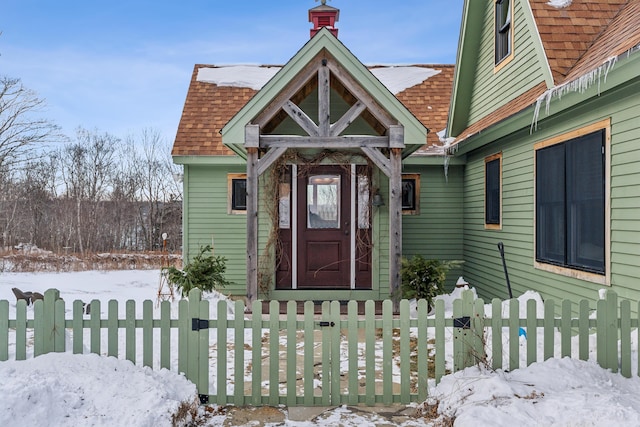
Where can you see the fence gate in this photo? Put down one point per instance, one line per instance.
(342, 355)
(322, 359)
(295, 359)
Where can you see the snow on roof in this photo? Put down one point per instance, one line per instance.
(250, 76)
(559, 4)
(399, 78)
(395, 78)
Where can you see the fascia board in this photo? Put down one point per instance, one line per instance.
(233, 132)
(434, 160)
(208, 160)
(623, 74)
(466, 58)
(541, 55)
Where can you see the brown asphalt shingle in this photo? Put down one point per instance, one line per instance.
(429, 101)
(208, 108)
(568, 33)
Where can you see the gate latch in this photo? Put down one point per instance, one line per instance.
(325, 324)
(199, 324)
(462, 322)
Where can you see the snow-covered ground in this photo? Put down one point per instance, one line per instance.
(72, 390)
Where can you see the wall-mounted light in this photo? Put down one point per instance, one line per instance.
(377, 200)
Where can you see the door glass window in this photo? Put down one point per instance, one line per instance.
(323, 201)
(363, 202)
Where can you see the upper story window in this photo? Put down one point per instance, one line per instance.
(237, 193)
(503, 30)
(493, 191)
(571, 213)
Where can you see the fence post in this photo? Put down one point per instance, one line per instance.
(198, 343)
(48, 330)
(611, 334)
(607, 331)
(4, 330)
(468, 332)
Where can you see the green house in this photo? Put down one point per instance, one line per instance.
(314, 178)
(545, 112)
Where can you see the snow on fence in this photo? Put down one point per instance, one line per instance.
(331, 358)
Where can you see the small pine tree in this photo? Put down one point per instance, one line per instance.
(424, 278)
(205, 272)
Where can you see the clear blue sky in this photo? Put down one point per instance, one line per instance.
(120, 66)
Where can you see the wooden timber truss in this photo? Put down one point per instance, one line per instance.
(384, 148)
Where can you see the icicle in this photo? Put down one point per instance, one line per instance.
(580, 84)
(447, 151)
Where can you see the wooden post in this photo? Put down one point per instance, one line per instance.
(395, 225)
(252, 134)
(252, 226)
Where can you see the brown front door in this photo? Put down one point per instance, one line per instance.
(324, 227)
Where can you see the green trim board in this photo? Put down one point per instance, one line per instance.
(209, 160)
(624, 76)
(233, 133)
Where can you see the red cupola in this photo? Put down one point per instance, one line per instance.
(324, 16)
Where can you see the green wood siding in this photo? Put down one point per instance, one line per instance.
(483, 267)
(206, 220)
(436, 233)
(492, 90)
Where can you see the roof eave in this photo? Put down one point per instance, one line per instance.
(624, 73)
(233, 132)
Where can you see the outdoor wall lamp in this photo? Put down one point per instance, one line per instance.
(377, 200)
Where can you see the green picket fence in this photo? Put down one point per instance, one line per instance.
(332, 358)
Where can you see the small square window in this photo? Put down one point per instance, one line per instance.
(410, 194)
(237, 193)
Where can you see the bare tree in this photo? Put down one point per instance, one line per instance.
(96, 193)
(158, 191)
(87, 167)
(21, 131)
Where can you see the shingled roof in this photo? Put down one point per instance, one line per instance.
(577, 39)
(568, 33)
(207, 109)
(209, 106)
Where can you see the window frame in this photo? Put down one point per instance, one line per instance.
(499, 29)
(493, 225)
(603, 278)
(231, 209)
(415, 177)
